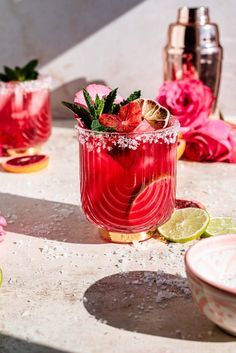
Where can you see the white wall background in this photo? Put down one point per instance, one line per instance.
(118, 42)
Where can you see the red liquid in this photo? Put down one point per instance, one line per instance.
(25, 118)
(128, 190)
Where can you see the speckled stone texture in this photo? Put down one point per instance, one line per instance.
(66, 290)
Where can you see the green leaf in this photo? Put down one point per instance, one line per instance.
(133, 96)
(98, 106)
(11, 74)
(30, 66)
(3, 78)
(96, 126)
(81, 112)
(27, 72)
(115, 108)
(109, 100)
(32, 76)
(20, 74)
(88, 101)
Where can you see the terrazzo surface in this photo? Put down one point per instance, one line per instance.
(66, 290)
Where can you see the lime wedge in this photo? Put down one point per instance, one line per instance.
(0, 277)
(219, 226)
(185, 224)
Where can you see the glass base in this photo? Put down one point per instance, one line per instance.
(125, 238)
(15, 152)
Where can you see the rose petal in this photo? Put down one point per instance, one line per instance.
(202, 146)
(94, 89)
(189, 100)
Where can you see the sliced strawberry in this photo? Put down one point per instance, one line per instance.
(128, 118)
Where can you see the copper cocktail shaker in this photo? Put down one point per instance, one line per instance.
(193, 49)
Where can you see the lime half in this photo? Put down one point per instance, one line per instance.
(185, 224)
(219, 226)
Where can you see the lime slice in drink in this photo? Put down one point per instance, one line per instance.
(0, 277)
(185, 224)
(219, 226)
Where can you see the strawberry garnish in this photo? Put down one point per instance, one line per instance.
(127, 119)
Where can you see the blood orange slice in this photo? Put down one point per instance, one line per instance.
(26, 164)
(181, 203)
(181, 148)
(150, 204)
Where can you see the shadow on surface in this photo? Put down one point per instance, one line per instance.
(47, 219)
(9, 344)
(41, 29)
(66, 92)
(154, 303)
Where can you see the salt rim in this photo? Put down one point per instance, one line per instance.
(42, 82)
(100, 140)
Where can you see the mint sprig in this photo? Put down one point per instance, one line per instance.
(132, 97)
(80, 112)
(25, 73)
(109, 101)
(105, 105)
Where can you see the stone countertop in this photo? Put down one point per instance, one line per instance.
(66, 290)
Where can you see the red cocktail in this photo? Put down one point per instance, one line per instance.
(25, 115)
(128, 180)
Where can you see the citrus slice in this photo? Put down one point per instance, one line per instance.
(219, 226)
(0, 277)
(181, 148)
(185, 224)
(149, 203)
(26, 164)
(182, 203)
(154, 113)
(128, 118)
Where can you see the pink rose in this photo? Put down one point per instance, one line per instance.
(213, 142)
(188, 100)
(3, 223)
(94, 89)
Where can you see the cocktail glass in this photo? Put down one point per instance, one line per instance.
(128, 180)
(25, 115)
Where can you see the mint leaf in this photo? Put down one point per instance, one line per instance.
(32, 75)
(3, 78)
(11, 74)
(115, 108)
(98, 106)
(109, 100)
(25, 73)
(133, 96)
(81, 112)
(88, 101)
(20, 74)
(30, 66)
(96, 126)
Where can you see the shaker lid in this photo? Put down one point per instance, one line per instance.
(198, 15)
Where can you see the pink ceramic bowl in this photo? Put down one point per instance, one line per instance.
(211, 270)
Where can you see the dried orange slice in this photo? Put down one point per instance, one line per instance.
(181, 148)
(26, 164)
(154, 113)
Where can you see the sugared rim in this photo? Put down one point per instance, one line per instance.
(43, 81)
(172, 129)
(203, 243)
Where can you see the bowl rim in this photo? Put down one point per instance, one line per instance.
(205, 242)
